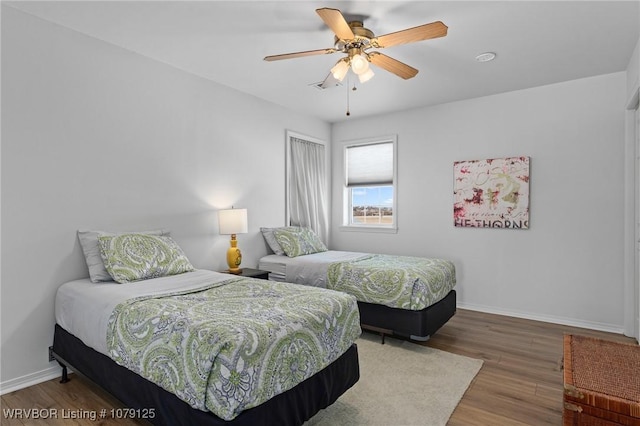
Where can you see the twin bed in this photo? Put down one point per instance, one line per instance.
(184, 346)
(407, 296)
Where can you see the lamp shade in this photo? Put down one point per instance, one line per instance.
(233, 221)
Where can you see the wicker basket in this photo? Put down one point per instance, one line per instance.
(601, 382)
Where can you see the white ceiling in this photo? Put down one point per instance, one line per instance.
(537, 43)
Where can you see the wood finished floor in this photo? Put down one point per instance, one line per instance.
(520, 382)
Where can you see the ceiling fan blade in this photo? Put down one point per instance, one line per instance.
(410, 35)
(392, 65)
(299, 54)
(335, 20)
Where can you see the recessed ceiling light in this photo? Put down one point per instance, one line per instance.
(486, 57)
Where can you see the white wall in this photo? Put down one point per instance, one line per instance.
(94, 136)
(631, 258)
(568, 267)
(633, 70)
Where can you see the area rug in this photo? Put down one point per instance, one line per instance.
(401, 383)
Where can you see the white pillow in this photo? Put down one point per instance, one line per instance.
(91, 250)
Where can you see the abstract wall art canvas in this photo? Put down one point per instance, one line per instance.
(491, 193)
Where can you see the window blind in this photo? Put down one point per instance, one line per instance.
(370, 165)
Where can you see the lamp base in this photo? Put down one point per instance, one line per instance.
(234, 256)
(236, 271)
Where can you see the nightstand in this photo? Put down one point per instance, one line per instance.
(252, 273)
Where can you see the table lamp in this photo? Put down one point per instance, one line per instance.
(232, 222)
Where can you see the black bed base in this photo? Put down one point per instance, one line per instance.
(417, 325)
(293, 407)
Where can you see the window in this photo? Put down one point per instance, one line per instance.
(370, 185)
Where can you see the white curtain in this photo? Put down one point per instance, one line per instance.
(308, 187)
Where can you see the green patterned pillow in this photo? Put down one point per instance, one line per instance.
(133, 257)
(298, 241)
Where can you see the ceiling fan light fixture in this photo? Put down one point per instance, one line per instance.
(340, 69)
(359, 64)
(366, 76)
(353, 39)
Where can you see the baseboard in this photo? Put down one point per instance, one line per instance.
(618, 329)
(30, 379)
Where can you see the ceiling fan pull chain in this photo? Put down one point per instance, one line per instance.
(348, 112)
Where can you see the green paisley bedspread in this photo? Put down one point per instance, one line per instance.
(396, 281)
(235, 344)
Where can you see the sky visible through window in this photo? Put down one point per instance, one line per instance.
(381, 196)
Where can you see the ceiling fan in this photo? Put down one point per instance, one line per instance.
(353, 39)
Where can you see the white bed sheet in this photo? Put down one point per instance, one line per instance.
(83, 308)
(310, 269)
(276, 267)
